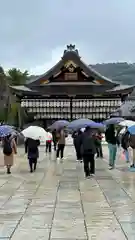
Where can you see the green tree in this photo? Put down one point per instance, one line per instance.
(16, 77)
(16, 114)
(3, 95)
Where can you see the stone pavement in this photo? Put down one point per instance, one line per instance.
(58, 203)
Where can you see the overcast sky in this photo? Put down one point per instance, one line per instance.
(34, 33)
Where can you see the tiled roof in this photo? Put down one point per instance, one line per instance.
(21, 88)
(127, 109)
(121, 87)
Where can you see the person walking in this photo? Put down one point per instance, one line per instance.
(77, 144)
(54, 138)
(74, 136)
(88, 152)
(111, 139)
(61, 136)
(9, 149)
(98, 142)
(132, 145)
(48, 141)
(125, 144)
(31, 148)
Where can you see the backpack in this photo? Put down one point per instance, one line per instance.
(7, 149)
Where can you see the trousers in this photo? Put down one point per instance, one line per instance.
(55, 145)
(48, 146)
(112, 154)
(89, 164)
(99, 151)
(32, 162)
(60, 150)
(126, 152)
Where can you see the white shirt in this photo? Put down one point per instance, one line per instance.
(48, 136)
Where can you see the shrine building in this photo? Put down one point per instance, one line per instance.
(70, 90)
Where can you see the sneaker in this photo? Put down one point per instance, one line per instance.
(111, 168)
(87, 177)
(58, 159)
(92, 175)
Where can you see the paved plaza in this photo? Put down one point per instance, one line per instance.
(58, 203)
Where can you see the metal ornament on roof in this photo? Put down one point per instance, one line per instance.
(71, 48)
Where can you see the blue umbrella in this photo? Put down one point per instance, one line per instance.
(132, 130)
(114, 120)
(97, 125)
(5, 130)
(79, 123)
(59, 124)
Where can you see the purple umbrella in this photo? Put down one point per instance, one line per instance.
(79, 123)
(5, 130)
(59, 124)
(114, 120)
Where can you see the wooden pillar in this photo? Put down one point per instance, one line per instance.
(71, 106)
(20, 122)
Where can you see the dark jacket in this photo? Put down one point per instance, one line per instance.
(78, 141)
(88, 143)
(132, 141)
(31, 148)
(125, 140)
(54, 135)
(110, 136)
(74, 136)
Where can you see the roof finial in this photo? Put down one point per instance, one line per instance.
(71, 48)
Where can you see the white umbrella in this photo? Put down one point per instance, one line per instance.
(127, 123)
(36, 133)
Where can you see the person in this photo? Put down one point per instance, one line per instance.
(125, 143)
(9, 149)
(48, 141)
(77, 145)
(54, 138)
(132, 145)
(31, 148)
(111, 139)
(61, 136)
(74, 136)
(88, 152)
(25, 144)
(98, 142)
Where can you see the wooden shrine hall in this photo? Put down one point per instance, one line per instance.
(70, 90)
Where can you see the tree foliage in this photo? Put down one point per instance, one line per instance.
(11, 111)
(16, 77)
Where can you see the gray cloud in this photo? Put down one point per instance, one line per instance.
(34, 33)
